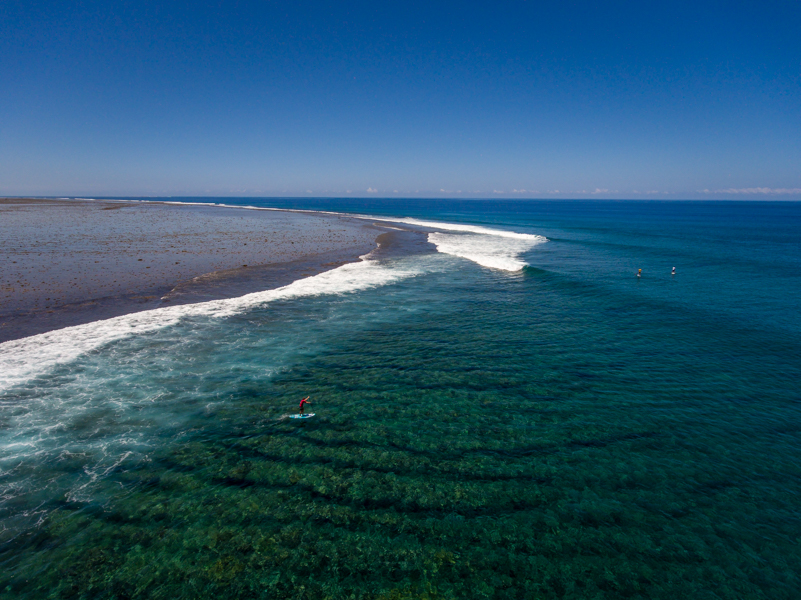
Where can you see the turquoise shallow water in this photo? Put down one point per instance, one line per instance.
(561, 431)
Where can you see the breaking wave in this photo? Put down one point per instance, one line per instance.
(493, 248)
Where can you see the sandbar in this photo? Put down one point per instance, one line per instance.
(72, 261)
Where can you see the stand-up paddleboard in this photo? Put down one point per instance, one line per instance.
(306, 416)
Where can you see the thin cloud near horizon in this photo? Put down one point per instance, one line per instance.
(754, 191)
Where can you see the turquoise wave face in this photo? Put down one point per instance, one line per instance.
(561, 431)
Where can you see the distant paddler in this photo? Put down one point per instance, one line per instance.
(673, 272)
(303, 403)
(639, 273)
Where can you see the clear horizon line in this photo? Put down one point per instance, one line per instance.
(654, 198)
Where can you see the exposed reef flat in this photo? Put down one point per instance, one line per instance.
(66, 262)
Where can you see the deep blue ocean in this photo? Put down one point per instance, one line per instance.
(497, 416)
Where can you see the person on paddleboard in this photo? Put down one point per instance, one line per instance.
(304, 401)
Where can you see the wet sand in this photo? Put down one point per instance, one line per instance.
(66, 262)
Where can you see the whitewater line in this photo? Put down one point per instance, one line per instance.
(492, 248)
(23, 359)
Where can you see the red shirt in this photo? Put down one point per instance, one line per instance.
(302, 402)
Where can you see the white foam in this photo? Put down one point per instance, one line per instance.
(488, 251)
(493, 248)
(468, 228)
(23, 359)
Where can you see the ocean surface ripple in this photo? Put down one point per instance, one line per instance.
(496, 417)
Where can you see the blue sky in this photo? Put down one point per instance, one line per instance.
(516, 99)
